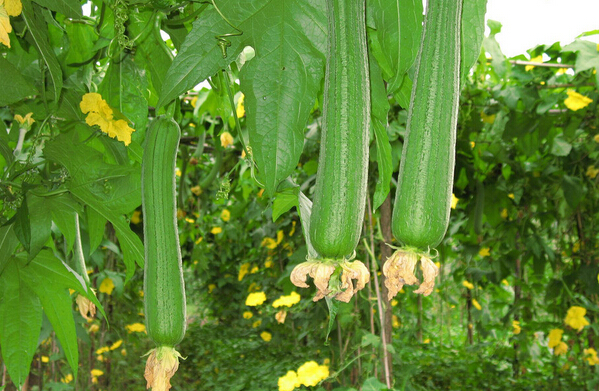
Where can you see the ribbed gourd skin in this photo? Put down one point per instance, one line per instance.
(340, 195)
(164, 289)
(425, 181)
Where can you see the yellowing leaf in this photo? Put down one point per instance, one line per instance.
(576, 101)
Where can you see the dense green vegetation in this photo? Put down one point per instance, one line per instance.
(515, 305)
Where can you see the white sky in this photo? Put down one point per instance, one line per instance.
(528, 23)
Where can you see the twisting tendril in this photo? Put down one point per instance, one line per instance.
(223, 42)
(121, 15)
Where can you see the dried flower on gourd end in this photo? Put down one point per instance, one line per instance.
(399, 271)
(355, 270)
(162, 364)
(86, 307)
(321, 272)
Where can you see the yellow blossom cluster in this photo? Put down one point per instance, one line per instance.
(8, 8)
(576, 101)
(287, 301)
(575, 318)
(309, 375)
(136, 328)
(255, 299)
(590, 355)
(271, 243)
(555, 342)
(516, 326)
(101, 114)
(240, 109)
(266, 336)
(467, 284)
(592, 172)
(476, 304)
(106, 286)
(243, 270)
(225, 215)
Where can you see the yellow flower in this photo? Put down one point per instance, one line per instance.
(94, 328)
(394, 303)
(596, 138)
(96, 372)
(226, 139)
(161, 365)
(124, 352)
(504, 282)
(487, 118)
(225, 215)
(255, 270)
(256, 324)
(45, 359)
(293, 223)
(247, 315)
(243, 270)
(27, 121)
(190, 220)
(136, 218)
(561, 71)
(269, 243)
(196, 190)
(575, 318)
(561, 348)
(592, 172)
(310, 373)
(590, 355)
(255, 299)
(535, 59)
(68, 378)
(472, 144)
(240, 110)
(576, 101)
(468, 284)
(484, 252)
(454, 201)
(178, 172)
(199, 240)
(428, 340)
(287, 301)
(211, 287)
(107, 286)
(216, 230)
(395, 322)
(101, 114)
(8, 8)
(504, 213)
(136, 328)
(102, 350)
(268, 263)
(116, 345)
(288, 382)
(511, 195)
(576, 247)
(266, 336)
(476, 304)
(516, 326)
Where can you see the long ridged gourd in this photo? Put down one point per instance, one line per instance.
(340, 196)
(425, 181)
(164, 290)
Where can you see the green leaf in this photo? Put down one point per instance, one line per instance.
(285, 200)
(22, 225)
(41, 223)
(125, 88)
(20, 323)
(498, 60)
(133, 251)
(8, 244)
(402, 95)
(51, 270)
(373, 384)
(117, 186)
(281, 83)
(82, 38)
(380, 109)
(69, 8)
(586, 55)
(333, 306)
(573, 190)
(398, 26)
(560, 147)
(473, 32)
(38, 29)
(95, 228)
(17, 89)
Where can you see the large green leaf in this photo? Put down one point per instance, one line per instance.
(95, 228)
(8, 244)
(398, 26)
(586, 56)
(280, 84)
(125, 88)
(13, 86)
(118, 187)
(82, 38)
(473, 32)
(498, 60)
(380, 110)
(69, 8)
(20, 323)
(38, 29)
